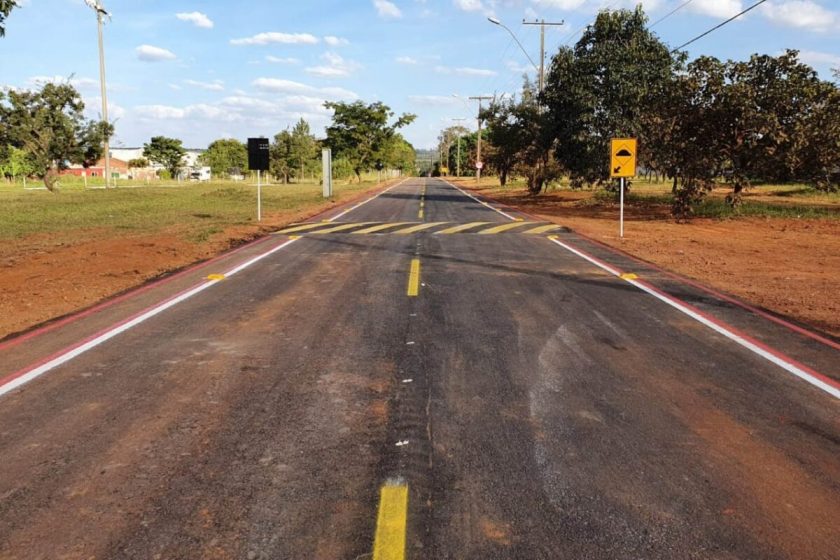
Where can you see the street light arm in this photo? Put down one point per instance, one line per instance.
(495, 21)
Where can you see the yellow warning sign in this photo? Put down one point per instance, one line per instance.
(623, 157)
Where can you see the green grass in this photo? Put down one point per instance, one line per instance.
(717, 208)
(199, 209)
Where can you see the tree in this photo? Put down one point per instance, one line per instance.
(359, 132)
(448, 145)
(167, 152)
(280, 155)
(397, 153)
(14, 163)
(225, 154)
(5, 9)
(138, 163)
(49, 125)
(303, 149)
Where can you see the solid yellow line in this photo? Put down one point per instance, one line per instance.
(462, 227)
(389, 542)
(342, 227)
(542, 229)
(303, 227)
(380, 227)
(421, 227)
(501, 228)
(414, 278)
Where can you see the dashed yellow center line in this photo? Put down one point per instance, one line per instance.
(340, 228)
(420, 213)
(303, 227)
(501, 228)
(420, 227)
(414, 278)
(542, 229)
(389, 542)
(380, 227)
(462, 227)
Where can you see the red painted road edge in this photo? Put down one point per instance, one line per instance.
(674, 276)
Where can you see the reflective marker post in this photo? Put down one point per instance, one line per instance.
(326, 162)
(621, 211)
(259, 195)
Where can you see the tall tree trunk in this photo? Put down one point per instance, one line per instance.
(51, 180)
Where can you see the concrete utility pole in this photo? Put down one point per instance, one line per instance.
(542, 23)
(458, 161)
(478, 163)
(100, 12)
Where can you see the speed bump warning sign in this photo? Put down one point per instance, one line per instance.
(623, 157)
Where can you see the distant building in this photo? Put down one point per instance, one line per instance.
(119, 169)
(128, 154)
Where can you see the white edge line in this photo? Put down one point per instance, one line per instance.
(377, 195)
(784, 364)
(508, 216)
(79, 350)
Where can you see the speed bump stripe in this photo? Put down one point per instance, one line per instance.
(501, 228)
(380, 227)
(302, 227)
(420, 227)
(542, 229)
(461, 227)
(342, 227)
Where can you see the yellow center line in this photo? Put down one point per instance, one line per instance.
(420, 213)
(414, 278)
(302, 227)
(381, 227)
(420, 227)
(389, 542)
(501, 228)
(342, 227)
(462, 227)
(542, 229)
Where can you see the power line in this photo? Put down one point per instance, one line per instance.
(669, 14)
(718, 26)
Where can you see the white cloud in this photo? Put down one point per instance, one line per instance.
(93, 109)
(802, 14)
(276, 37)
(594, 5)
(336, 67)
(196, 18)
(148, 53)
(334, 41)
(387, 9)
(406, 60)
(277, 85)
(215, 85)
(78, 83)
(469, 5)
(717, 8)
(465, 71)
(434, 100)
(518, 68)
(814, 58)
(282, 60)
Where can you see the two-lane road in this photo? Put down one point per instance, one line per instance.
(431, 373)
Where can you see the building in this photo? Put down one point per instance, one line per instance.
(119, 169)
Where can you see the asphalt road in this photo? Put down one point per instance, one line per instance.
(475, 394)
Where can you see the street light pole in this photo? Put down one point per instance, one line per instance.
(100, 12)
(542, 23)
(458, 161)
(478, 163)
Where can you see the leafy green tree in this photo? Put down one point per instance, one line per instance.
(397, 153)
(225, 154)
(359, 132)
(15, 163)
(6, 7)
(138, 163)
(601, 88)
(280, 155)
(303, 150)
(167, 152)
(48, 124)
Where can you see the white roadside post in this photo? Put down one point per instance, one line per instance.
(621, 211)
(259, 195)
(326, 163)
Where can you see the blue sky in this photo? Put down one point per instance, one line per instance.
(204, 69)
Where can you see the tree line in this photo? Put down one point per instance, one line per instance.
(699, 123)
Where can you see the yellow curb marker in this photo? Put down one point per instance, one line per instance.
(216, 277)
(389, 542)
(629, 276)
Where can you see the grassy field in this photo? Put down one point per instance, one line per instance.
(199, 209)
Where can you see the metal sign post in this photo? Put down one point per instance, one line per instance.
(622, 165)
(259, 161)
(326, 162)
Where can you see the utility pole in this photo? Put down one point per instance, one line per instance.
(100, 12)
(542, 23)
(458, 161)
(478, 163)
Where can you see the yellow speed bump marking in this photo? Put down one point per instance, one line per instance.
(414, 278)
(501, 228)
(302, 227)
(542, 229)
(381, 227)
(342, 227)
(462, 227)
(629, 276)
(389, 542)
(216, 277)
(421, 227)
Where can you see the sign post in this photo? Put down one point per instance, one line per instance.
(326, 163)
(259, 161)
(622, 165)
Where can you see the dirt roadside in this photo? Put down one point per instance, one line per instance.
(45, 276)
(789, 266)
